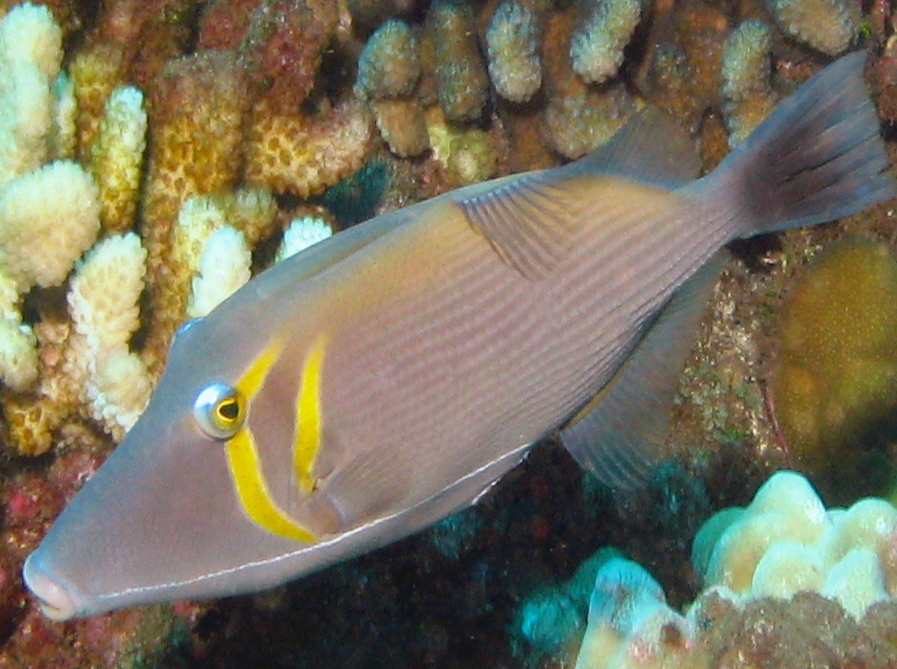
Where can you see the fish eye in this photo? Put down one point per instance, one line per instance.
(219, 411)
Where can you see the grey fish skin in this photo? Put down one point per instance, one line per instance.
(388, 377)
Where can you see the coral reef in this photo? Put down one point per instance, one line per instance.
(746, 92)
(513, 47)
(835, 381)
(596, 48)
(785, 541)
(389, 65)
(212, 138)
(461, 77)
(830, 26)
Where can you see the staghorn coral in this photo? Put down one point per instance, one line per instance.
(389, 65)
(746, 91)
(116, 157)
(596, 48)
(829, 26)
(223, 23)
(305, 154)
(461, 77)
(512, 42)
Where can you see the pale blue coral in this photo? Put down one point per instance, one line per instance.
(829, 26)
(596, 49)
(389, 65)
(512, 43)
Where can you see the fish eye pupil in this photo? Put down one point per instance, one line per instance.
(229, 409)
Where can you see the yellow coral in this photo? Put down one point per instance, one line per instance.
(305, 155)
(116, 157)
(95, 72)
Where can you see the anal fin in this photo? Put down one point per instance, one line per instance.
(619, 434)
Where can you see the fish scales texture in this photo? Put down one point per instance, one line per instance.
(387, 377)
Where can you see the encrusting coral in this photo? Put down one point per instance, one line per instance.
(835, 380)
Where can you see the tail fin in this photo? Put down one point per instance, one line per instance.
(816, 158)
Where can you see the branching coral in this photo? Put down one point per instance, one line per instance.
(829, 26)
(223, 268)
(596, 49)
(513, 46)
(746, 91)
(460, 71)
(30, 57)
(305, 154)
(103, 301)
(389, 65)
(116, 157)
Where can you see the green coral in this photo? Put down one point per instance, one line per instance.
(835, 385)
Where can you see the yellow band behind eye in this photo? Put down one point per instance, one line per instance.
(246, 466)
(308, 418)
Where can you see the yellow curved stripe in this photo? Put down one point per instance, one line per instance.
(245, 464)
(243, 459)
(308, 418)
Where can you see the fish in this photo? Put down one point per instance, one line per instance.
(389, 376)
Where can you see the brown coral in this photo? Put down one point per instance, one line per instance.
(306, 154)
(197, 109)
(284, 46)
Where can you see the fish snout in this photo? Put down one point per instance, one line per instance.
(56, 601)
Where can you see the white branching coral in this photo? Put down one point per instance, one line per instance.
(30, 57)
(223, 268)
(302, 233)
(48, 218)
(103, 303)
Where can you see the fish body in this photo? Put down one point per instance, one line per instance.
(386, 378)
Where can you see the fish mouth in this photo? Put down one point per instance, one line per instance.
(56, 601)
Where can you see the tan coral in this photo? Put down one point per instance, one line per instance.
(198, 107)
(95, 71)
(116, 158)
(305, 155)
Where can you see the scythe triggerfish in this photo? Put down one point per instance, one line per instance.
(389, 376)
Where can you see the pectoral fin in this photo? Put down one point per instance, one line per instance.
(619, 434)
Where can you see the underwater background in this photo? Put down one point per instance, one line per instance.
(143, 142)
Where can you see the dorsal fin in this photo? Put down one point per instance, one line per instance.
(619, 434)
(532, 221)
(652, 148)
